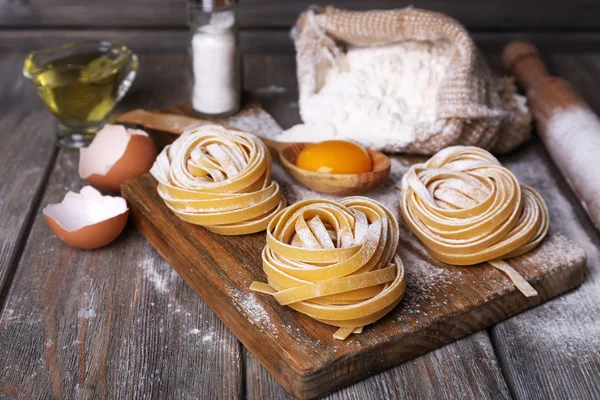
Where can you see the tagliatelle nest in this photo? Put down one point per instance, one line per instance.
(335, 262)
(468, 209)
(220, 179)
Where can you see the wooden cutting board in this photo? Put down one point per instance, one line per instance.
(442, 303)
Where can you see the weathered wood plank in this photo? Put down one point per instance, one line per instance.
(116, 322)
(272, 13)
(553, 351)
(466, 369)
(582, 70)
(474, 14)
(140, 40)
(267, 41)
(26, 154)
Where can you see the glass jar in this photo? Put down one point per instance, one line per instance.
(215, 57)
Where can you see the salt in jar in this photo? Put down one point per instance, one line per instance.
(215, 57)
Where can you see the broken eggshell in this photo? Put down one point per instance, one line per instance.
(87, 220)
(115, 155)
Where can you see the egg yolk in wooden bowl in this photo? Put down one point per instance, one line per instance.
(335, 157)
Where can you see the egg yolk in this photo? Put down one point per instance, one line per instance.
(335, 157)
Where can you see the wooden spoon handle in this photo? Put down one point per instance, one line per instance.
(170, 123)
(177, 124)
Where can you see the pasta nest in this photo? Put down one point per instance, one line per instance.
(467, 208)
(335, 262)
(220, 179)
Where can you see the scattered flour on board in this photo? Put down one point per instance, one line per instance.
(568, 324)
(194, 331)
(425, 283)
(88, 312)
(423, 273)
(247, 303)
(15, 312)
(256, 121)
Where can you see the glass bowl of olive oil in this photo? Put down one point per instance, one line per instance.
(80, 83)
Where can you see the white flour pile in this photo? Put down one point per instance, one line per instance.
(375, 96)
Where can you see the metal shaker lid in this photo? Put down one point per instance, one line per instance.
(209, 5)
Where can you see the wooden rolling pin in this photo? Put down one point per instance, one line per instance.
(567, 126)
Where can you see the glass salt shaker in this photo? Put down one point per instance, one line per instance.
(215, 57)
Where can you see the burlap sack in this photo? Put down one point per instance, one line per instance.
(475, 107)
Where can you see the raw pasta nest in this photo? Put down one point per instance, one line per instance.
(335, 262)
(468, 209)
(220, 179)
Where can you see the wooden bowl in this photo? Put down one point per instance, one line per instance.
(338, 184)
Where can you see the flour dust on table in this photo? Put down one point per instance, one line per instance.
(256, 121)
(566, 324)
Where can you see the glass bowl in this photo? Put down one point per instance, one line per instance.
(80, 83)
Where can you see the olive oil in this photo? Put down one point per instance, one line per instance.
(80, 89)
(80, 83)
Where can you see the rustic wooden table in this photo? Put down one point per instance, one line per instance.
(119, 323)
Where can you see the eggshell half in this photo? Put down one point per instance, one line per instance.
(115, 155)
(87, 220)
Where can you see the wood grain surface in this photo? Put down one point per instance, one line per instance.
(26, 154)
(268, 42)
(495, 14)
(465, 369)
(111, 323)
(562, 367)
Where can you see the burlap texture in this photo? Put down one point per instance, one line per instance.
(473, 105)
